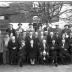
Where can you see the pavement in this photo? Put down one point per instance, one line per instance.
(35, 68)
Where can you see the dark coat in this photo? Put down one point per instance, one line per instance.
(13, 53)
(27, 42)
(64, 51)
(49, 39)
(11, 45)
(22, 52)
(58, 40)
(11, 31)
(33, 51)
(53, 50)
(70, 45)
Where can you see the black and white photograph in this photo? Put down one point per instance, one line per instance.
(35, 36)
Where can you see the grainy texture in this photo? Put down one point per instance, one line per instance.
(36, 68)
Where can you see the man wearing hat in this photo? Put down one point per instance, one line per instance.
(11, 31)
(20, 29)
(66, 30)
(57, 30)
(30, 29)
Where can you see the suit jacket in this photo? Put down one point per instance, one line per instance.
(58, 40)
(58, 30)
(70, 44)
(11, 31)
(49, 39)
(53, 47)
(69, 41)
(22, 51)
(33, 51)
(65, 46)
(20, 29)
(11, 45)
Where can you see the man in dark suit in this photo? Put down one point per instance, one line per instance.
(50, 37)
(13, 47)
(53, 52)
(33, 50)
(20, 29)
(58, 39)
(70, 45)
(64, 52)
(66, 30)
(11, 31)
(22, 53)
(27, 42)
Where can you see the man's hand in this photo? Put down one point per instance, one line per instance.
(65, 49)
(52, 47)
(62, 46)
(14, 48)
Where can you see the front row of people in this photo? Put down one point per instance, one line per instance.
(49, 50)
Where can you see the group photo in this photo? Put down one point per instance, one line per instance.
(36, 33)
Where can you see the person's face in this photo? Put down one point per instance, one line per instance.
(57, 35)
(63, 41)
(51, 33)
(10, 26)
(41, 32)
(31, 33)
(44, 41)
(30, 26)
(20, 26)
(36, 34)
(53, 41)
(13, 38)
(7, 36)
(63, 36)
(31, 41)
(46, 32)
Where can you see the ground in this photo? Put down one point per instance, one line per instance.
(36, 68)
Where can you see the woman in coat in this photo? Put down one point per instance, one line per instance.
(13, 47)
